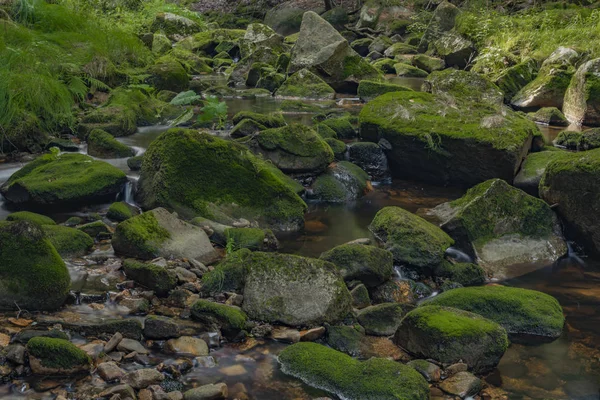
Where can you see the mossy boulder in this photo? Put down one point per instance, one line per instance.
(399, 49)
(231, 320)
(340, 374)
(442, 20)
(328, 54)
(168, 74)
(293, 290)
(464, 144)
(151, 276)
(342, 182)
(102, 144)
(563, 183)
(337, 17)
(284, 18)
(293, 148)
(549, 116)
(371, 158)
(214, 41)
(525, 314)
(428, 63)
(515, 78)
(341, 126)
(338, 147)
(160, 44)
(382, 319)
(347, 339)
(30, 217)
(191, 62)
(533, 167)
(260, 35)
(264, 76)
(63, 180)
(49, 356)
(120, 211)
(361, 46)
(449, 335)
(568, 139)
(463, 86)
(506, 227)
(411, 239)
(549, 87)
(466, 274)
(304, 84)
(408, 71)
(368, 264)
(216, 175)
(385, 66)
(572, 140)
(582, 98)
(33, 276)
(368, 90)
(68, 241)
(174, 25)
(251, 238)
(246, 127)
(229, 275)
(158, 233)
(135, 163)
(456, 50)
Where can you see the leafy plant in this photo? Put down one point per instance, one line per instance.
(184, 117)
(214, 111)
(186, 98)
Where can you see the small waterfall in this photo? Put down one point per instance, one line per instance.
(573, 256)
(458, 255)
(398, 273)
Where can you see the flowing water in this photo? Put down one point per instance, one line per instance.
(568, 368)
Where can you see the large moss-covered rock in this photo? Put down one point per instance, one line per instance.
(449, 335)
(511, 232)
(382, 319)
(342, 182)
(368, 264)
(251, 238)
(325, 52)
(229, 275)
(32, 274)
(264, 76)
(174, 25)
(573, 184)
(305, 84)
(231, 320)
(549, 116)
(525, 314)
(408, 71)
(293, 290)
(368, 90)
(216, 174)
(582, 99)
(284, 18)
(260, 35)
(515, 78)
(340, 374)
(168, 74)
(533, 167)
(50, 356)
(293, 148)
(151, 276)
(435, 141)
(428, 63)
(466, 274)
(411, 239)
(30, 217)
(102, 144)
(549, 87)
(120, 211)
(158, 233)
(442, 21)
(65, 179)
(463, 86)
(588, 139)
(68, 241)
(273, 120)
(454, 49)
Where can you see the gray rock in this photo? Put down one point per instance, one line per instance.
(187, 345)
(123, 391)
(370, 157)
(130, 345)
(142, 378)
(160, 328)
(582, 101)
(463, 384)
(429, 370)
(207, 392)
(382, 319)
(113, 342)
(110, 371)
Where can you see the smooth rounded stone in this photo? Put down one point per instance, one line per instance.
(588, 139)
(347, 339)
(207, 392)
(216, 173)
(360, 297)
(152, 276)
(449, 335)
(69, 242)
(130, 346)
(123, 391)
(160, 233)
(368, 264)
(342, 182)
(187, 345)
(246, 127)
(161, 328)
(456, 368)
(370, 157)
(113, 342)
(110, 371)
(510, 232)
(286, 335)
(462, 384)
(533, 168)
(102, 144)
(305, 84)
(429, 370)
(61, 180)
(93, 349)
(142, 378)
(306, 292)
(563, 183)
(527, 315)
(173, 24)
(582, 100)
(463, 86)
(382, 319)
(327, 369)
(549, 87)
(411, 239)
(33, 276)
(49, 356)
(313, 334)
(465, 274)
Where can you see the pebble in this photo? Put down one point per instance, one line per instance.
(187, 345)
(142, 378)
(110, 371)
(233, 370)
(122, 391)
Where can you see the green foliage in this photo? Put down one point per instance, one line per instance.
(214, 111)
(185, 98)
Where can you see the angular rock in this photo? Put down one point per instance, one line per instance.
(442, 21)
(382, 319)
(456, 51)
(463, 86)
(305, 84)
(110, 371)
(368, 264)
(582, 98)
(371, 158)
(531, 172)
(462, 384)
(130, 346)
(515, 78)
(549, 116)
(142, 378)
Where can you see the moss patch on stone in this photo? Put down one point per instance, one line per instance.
(151, 276)
(68, 241)
(368, 90)
(273, 120)
(140, 236)
(103, 145)
(31, 217)
(119, 211)
(232, 317)
(57, 353)
(368, 264)
(467, 274)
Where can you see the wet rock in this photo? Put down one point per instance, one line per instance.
(48, 356)
(15, 353)
(368, 264)
(160, 233)
(360, 297)
(430, 371)
(113, 342)
(102, 144)
(207, 392)
(161, 328)
(142, 378)
(370, 157)
(582, 102)
(305, 84)
(533, 168)
(549, 116)
(506, 227)
(465, 274)
(286, 335)
(312, 335)
(123, 391)
(463, 86)
(154, 277)
(394, 291)
(187, 345)
(347, 339)
(525, 314)
(120, 211)
(470, 337)
(130, 345)
(69, 242)
(342, 182)
(456, 368)
(382, 319)
(110, 371)
(456, 50)
(93, 349)
(26, 335)
(231, 320)
(463, 384)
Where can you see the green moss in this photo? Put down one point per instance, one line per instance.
(140, 236)
(338, 373)
(219, 172)
(535, 164)
(464, 86)
(466, 274)
(549, 116)
(31, 217)
(246, 127)
(325, 131)
(66, 179)
(368, 90)
(119, 211)
(514, 78)
(385, 66)
(400, 48)
(192, 63)
(245, 238)
(342, 127)
(232, 317)
(135, 163)
(151, 276)
(355, 66)
(32, 272)
(274, 120)
(305, 84)
(521, 312)
(382, 319)
(58, 353)
(408, 71)
(103, 145)
(228, 276)
(368, 264)
(568, 139)
(347, 339)
(168, 74)
(410, 238)
(428, 63)
(337, 146)
(68, 241)
(95, 229)
(342, 182)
